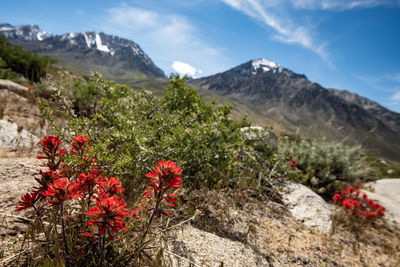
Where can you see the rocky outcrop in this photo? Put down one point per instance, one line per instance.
(308, 207)
(194, 247)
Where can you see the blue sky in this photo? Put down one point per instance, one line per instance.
(343, 44)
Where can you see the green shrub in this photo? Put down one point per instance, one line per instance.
(7, 73)
(131, 130)
(32, 66)
(326, 166)
(82, 91)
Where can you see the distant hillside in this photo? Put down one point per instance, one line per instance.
(292, 102)
(115, 57)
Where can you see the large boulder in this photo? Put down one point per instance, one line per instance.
(387, 193)
(308, 207)
(194, 247)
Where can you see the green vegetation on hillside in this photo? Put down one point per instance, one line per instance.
(132, 129)
(15, 60)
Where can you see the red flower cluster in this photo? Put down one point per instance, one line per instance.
(61, 190)
(50, 145)
(110, 186)
(28, 200)
(351, 200)
(165, 173)
(87, 182)
(164, 177)
(79, 142)
(84, 203)
(293, 162)
(110, 206)
(109, 213)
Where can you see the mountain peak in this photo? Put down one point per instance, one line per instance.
(264, 65)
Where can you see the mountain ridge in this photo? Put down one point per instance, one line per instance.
(113, 55)
(301, 105)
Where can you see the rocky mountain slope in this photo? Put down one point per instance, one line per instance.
(291, 100)
(88, 51)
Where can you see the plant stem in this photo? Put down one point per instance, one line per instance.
(64, 237)
(102, 249)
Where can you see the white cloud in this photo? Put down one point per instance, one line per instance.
(396, 96)
(164, 37)
(341, 4)
(275, 14)
(185, 69)
(271, 15)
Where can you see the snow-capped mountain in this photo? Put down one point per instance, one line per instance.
(24, 33)
(291, 100)
(90, 51)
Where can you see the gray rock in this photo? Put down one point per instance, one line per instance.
(308, 207)
(194, 247)
(387, 193)
(14, 136)
(260, 134)
(14, 87)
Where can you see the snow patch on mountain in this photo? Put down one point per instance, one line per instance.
(6, 28)
(135, 50)
(100, 46)
(41, 35)
(264, 65)
(88, 40)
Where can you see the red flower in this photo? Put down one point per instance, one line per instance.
(28, 200)
(50, 145)
(66, 171)
(345, 192)
(109, 213)
(60, 190)
(110, 186)
(45, 179)
(170, 199)
(337, 198)
(293, 162)
(350, 204)
(79, 141)
(87, 234)
(359, 204)
(165, 172)
(370, 215)
(87, 182)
